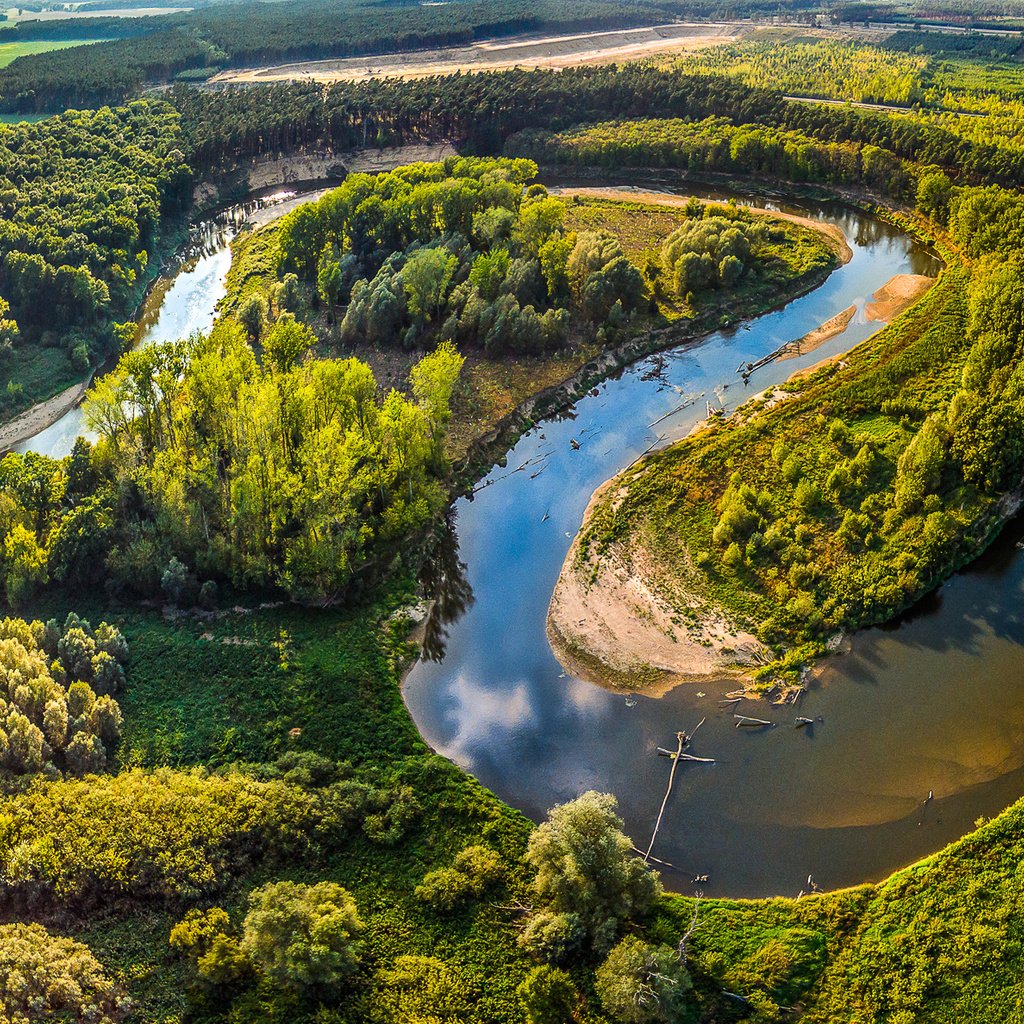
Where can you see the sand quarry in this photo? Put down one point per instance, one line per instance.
(525, 51)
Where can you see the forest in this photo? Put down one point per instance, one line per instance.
(154, 49)
(84, 198)
(243, 459)
(214, 805)
(481, 112)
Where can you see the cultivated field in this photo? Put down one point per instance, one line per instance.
(27, 47)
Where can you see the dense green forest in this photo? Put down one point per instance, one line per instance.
(460, 252)
(154, 49)
(481, 112)
(83, 197)
(239, 458)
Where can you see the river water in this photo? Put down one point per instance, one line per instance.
(927, 705)
(932, 703)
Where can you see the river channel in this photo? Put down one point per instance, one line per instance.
(933, 703)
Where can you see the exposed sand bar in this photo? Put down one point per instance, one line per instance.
(896, 295)
(830, 329)
(616, 630)
(41, 416)
(525, 51)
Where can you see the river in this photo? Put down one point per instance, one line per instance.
(922, 706)
(931, 703)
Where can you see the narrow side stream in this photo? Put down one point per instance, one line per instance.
(185, 300)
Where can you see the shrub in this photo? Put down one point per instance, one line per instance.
(151, 834)
(642, 984)
(301, 936)
(473, 870)
(421, 989)
(548, 996)
(46, 977)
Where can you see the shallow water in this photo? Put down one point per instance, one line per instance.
(929, 704)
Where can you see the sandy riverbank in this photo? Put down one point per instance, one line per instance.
(899, 293)
(830, 329)
(896, 296)
(41, 416)
(615, 630)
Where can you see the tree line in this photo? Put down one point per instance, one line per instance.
(481, 112)
(717, 145)
(150, 50)
(81, 201)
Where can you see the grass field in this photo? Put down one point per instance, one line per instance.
(28, 47)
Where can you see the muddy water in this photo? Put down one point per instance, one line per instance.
(933, 703)
(184, 300)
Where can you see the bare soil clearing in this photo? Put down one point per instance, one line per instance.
(555, 52)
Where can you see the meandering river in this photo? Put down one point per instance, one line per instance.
(928, 705)
(932, 703)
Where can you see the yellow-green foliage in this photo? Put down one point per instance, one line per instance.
(286, 471)
(846, 70)
(45, 977)
(167, 833)
(142, 833)
(51, 718)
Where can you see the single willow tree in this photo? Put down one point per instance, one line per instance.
(588, 880)
(302, 936)
(641, 983)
